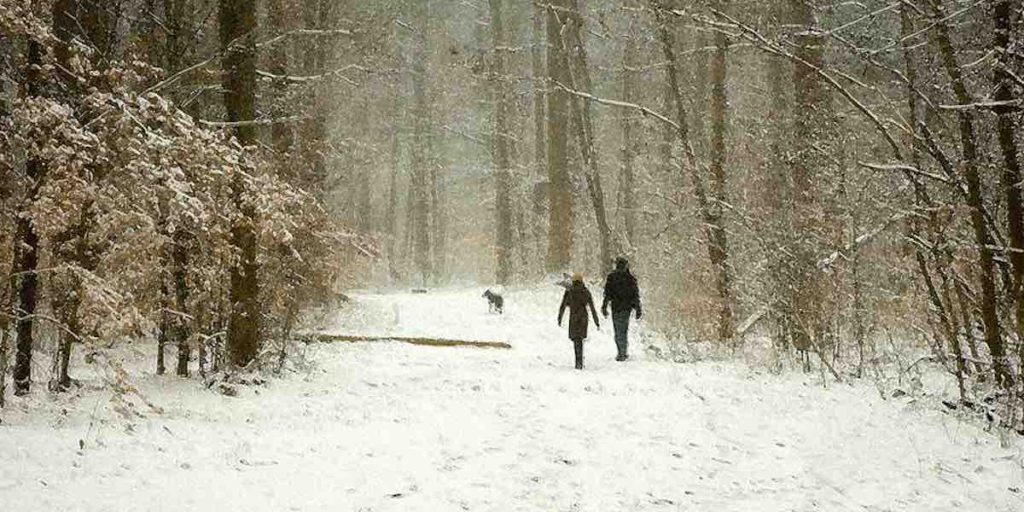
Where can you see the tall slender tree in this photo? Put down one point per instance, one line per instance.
(438, 204)
(971, 160)
(27, 246)
(282, 135)
(778, 192)
(718, 246)
(391, 212)
(690, 167)
(318, 18)
(560, 189)
(500, 145)
(174, 320)
(87, 23)
(1003, 14)
(238, 44)
(812, 123)
(537, 51)
(628, 77)
(582, 121)
(935, 262)
(419, 193)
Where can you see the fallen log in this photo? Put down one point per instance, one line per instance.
(430, 342)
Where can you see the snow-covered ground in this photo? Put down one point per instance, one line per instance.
(389, 426)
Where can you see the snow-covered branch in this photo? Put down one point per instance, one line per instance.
(622, 104)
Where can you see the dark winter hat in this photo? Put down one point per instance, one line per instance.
(621, 263)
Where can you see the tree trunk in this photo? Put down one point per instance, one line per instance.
(409, 241)
(163, 331)
(181, 332)
(4, 342)
(176, 24)
(718, 244)
(364, 200)
(966, 320)
(669, 136)
(582, 121)
(419, 189)
(940, 297)
(60, 380)
(438, 210)
(173, 327)
(166, 299)
(1006, 126)
(627, 171)
(539, 199)
(689, 167)
(281, 135)
(391, 215)
(317, 15)
(74, 248)
(204, 325)
(812, 124)
(96, 25)
(699, 101)
(778, 191)
(668, 139)
(560, 193)
(975, 201)
(237, 37)
(28, 250)
(179, 25)
(7, 306)
(500, 146)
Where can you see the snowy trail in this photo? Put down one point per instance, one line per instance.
(388, 426)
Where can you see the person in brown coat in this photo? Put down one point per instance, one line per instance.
(577, 298)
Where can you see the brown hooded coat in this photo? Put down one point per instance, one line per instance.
(577, 298)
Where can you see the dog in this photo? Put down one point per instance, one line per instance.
(495, 302)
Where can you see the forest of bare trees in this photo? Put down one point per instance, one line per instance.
(806, 182)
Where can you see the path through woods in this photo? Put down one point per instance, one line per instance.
(392, 426)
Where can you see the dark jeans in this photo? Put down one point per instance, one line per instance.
(578, 346)
(620, 321)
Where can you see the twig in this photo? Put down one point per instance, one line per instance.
(616, 103)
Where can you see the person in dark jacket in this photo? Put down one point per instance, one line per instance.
(577, 298)
(621, 291)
